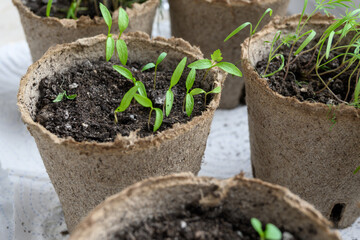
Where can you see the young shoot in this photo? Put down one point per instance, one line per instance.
(127, 74)
(271, 231)
(48, 7)
(121, 47)
(216, 61)
(189, 98)
(169, 99)
(153, 65)
(63, 94)
(125, 101)
(146, 102)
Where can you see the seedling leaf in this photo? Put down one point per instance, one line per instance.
(124, 72)
(197, 91)
(201, 64)
(190, 79)
(110, 47)
(106, 15)
(237, 30)
(143, 101)
(357, 92)
(215, 90)
(177, 73)
(48, 7)
(230, 68)
(169, 102)
(71, 97)
(158, 119)
(141, 89)
(272, 232)
(328, 47)
(122, 51)
(123, 20)
(257, 226)
(161, 58)
(312, 34)
(216, 56)
(148, 66)
(126, 100)
(189, 106)
(357, 170)
(269, 10)
(60, 97)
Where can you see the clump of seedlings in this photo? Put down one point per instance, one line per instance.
(271, 232)
(76, 6)
(138, 91)
(330, 56)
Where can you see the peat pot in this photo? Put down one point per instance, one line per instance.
(85, 173)
(238, 199)
(294, 144)
(206, 23)
(44, 32)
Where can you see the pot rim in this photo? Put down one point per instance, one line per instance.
(284, 23)
(185, 179)
(132, 141)
(137, 9)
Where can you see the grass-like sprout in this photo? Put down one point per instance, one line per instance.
(216, 61)
(271, 231)
(146, 102)
(169, 99)
(63, 94)
(196, 91)
(153, 65)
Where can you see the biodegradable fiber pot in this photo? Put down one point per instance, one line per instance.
(44, 32)
(237, 197)
(294, 144)
(206, 23)
(84, 173)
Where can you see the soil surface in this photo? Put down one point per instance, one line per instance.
(303, 83)
(60, 7)
(99, 89)
(193, 223)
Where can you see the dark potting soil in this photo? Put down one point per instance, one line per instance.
(306, 86)
(99, 89)
(193, 223)
(60, 7)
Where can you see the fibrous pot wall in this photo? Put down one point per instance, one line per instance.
(43, 32)
(85, 173)
(295, 144)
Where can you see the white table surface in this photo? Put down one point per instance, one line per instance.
(29, 206)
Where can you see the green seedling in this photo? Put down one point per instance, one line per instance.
(152, 65)
(216, 61)
(48, 8)
(189, 98)
(121, 47)
(169, 99)
(357, 170)
(146, 102)
(63, 94)
(127, 74)
(271, 231)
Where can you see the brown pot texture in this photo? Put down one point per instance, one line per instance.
(85, 173)
(206, 23)
(293, 143)
(43, 32)
(238, 197)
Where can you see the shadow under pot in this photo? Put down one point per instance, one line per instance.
(182, 206)
(307, 145)
(111, 156)
(43, 32)
(206, 23)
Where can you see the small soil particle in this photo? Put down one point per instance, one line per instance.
(99, 89)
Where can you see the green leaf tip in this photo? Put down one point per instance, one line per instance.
(201, 64)
(124, 72)
(143, 101)
(123, 20)
(216, 56)
(122, 51)
(106, 15)
(148, 66)
(178, 72)
(110, 47)
(158, 119)
(272, 232)
(229, 68)
(161, 57)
